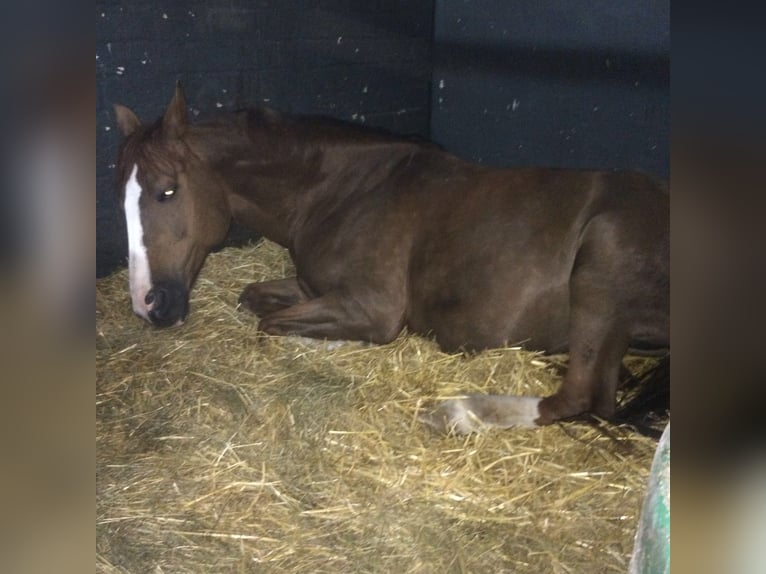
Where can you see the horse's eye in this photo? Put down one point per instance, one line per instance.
(165, 195)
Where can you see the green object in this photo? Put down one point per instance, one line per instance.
(651, 549)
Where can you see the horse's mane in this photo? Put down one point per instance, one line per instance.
(146, 144)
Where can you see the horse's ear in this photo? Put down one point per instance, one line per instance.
(126, 119)
(174, 121)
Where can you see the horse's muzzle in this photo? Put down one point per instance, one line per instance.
(168, 303)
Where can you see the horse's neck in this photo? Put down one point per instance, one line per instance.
(275, 177)
(264, 180)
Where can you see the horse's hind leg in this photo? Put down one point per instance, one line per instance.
(602, 301)
(267, 297)
(597, 346)
(611, 288)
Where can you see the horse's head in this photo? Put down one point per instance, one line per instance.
(175, 208)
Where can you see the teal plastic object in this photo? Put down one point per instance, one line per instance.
(651, 548)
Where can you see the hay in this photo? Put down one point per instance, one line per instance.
(224, 450)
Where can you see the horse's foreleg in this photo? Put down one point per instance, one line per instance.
(332, 317)
(267, 297)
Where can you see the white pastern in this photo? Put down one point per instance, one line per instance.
(477, 413)
(138, 262)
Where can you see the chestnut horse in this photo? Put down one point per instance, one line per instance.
(387, 232)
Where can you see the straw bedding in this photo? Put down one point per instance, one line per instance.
(220, 449)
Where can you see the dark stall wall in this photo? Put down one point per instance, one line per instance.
(368, 62)
(573, 83)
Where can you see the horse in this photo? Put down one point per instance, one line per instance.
(390, 232)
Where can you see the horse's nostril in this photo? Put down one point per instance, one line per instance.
(168, 303)
(156, 297)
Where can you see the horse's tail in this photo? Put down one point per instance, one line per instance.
(645, 400)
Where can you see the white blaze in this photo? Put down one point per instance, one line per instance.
(138, 262)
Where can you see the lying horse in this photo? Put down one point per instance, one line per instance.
(387, 232)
